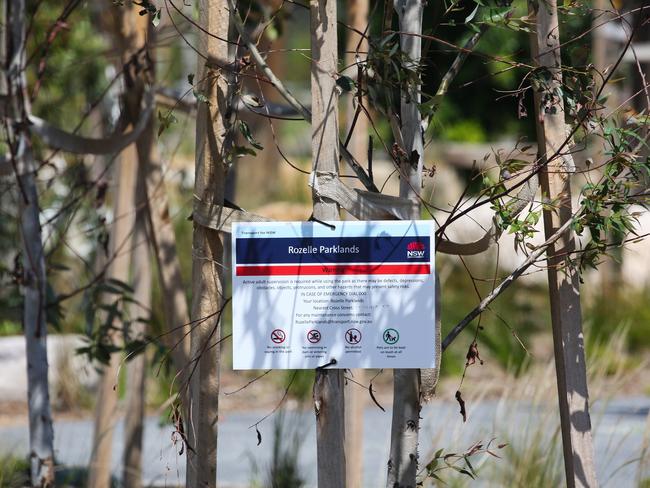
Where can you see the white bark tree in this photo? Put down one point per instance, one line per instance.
(34, 279)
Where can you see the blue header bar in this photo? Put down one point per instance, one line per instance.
(292, 250)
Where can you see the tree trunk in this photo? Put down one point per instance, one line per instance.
(328, 385)
(604, 53)
(563, 277)
(34, 280)
(212, 147)
(403, 460)
(357, 18)
(161, 232)
(118, 269)
(139, 315)
(41, 436)
(356, 51)
(354, 407)
(129, 32)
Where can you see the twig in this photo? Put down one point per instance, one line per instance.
(463, 54)
(288, 96)
(539, 164)
(249, 383)
(503, 285)
(284, 396)
(261, 63)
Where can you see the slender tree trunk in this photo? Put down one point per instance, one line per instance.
(161, 231)
(212, 147)
(152, 215)
(139, 315)
(403, 460)
(354, 408)
(41, 436)
(563, 277)
(118, 269)
(128, 30)
(163, 239)
(34, 280)
(604, 53)
(132, 32)
(262, 172)
(356, 51)
(328, 386)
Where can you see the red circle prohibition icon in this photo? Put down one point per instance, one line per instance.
(314, 336)
(278, 336)
(353, 336)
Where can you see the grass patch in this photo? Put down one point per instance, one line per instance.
(527, 420)
(14, 472)
(630, 312)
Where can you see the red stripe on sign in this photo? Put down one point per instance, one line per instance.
(337, 269)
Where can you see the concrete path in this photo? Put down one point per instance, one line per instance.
(619, 430)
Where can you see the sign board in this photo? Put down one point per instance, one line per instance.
(359, 293)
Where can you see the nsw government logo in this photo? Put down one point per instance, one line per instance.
(415, 250)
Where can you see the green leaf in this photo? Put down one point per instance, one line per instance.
(345, 83)
(246, 132)
(200, 97)
(462, 471)
(251, 101)
(514, 165)
(271, 32)
(134, 348)
(469, 18)
(387, 39)
(469, 466)
(436, 477)
(58, 267)
(54, 310)
(155, 18)
(241, 151)
(121, 284)
(105, 288)
(165, 121)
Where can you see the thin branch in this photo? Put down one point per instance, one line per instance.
(261, 63)
(463, 54)
(503, 285)
(284, 396)
(248, 383)
(288, 96)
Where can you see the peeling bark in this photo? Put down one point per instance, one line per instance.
(212, 148)
(328, 386)
(355, 397)
(403, 460)
(563, 277)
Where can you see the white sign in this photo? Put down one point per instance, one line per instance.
(343, 294)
